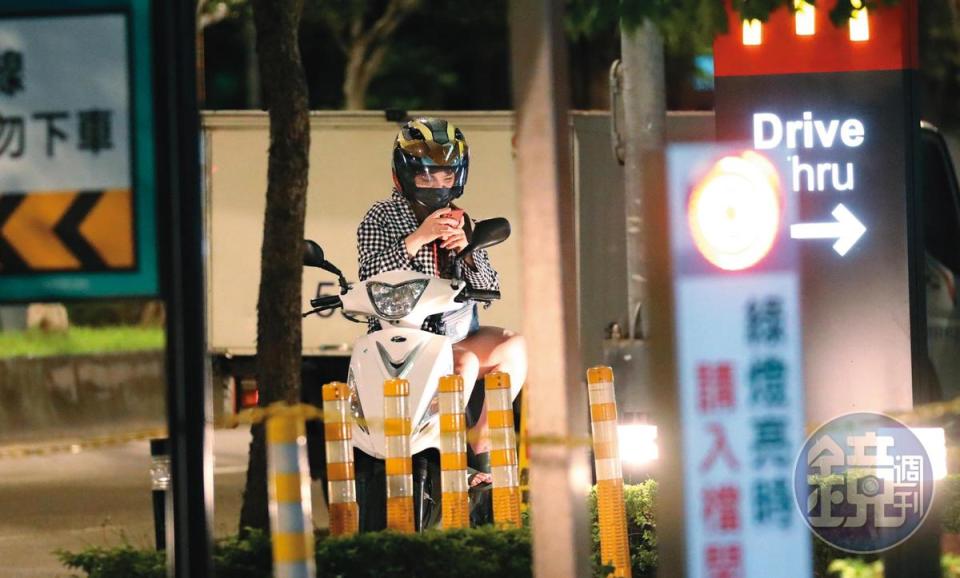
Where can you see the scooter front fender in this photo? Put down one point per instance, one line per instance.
(419, 357)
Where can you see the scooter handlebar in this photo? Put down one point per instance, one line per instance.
(477, 295)
(326, 302)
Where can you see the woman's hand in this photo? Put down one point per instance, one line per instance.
(435, 226)
(455, 239)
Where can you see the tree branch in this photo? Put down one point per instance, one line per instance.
(387, 24)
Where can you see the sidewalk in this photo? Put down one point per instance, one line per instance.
(101, 496)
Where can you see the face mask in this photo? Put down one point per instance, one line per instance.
(433, 199)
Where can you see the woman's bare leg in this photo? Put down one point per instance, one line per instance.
(491, 349)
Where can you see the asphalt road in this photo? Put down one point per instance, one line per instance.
(101, 497)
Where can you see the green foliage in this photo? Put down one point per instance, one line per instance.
(856, 568)
(948, 491)
(80, 340)
(476, 553)
(480, 552)
(122, 561)
(247, 557)
(233, 557)
(950, 565)
(860, 568)
(641, 528)
(684, 24)
(841, 12)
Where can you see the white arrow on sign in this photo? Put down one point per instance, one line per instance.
(847, 230)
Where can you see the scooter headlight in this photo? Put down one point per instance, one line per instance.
(395, 301)
(355, 408)
(433, 410)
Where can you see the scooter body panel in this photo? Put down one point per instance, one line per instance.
(419, 357)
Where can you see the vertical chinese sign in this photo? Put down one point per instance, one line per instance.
(77, 184)
(739, 363)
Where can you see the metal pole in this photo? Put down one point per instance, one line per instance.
(671, 551)
(189, 399)
(559, 470)
(644, 122)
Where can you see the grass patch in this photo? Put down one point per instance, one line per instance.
(79, 341)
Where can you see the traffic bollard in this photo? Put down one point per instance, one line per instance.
(160, 482)
(453, 454)
(614, 544)
(503, 450)
(399, 464)
(341, 477)
(291, 518)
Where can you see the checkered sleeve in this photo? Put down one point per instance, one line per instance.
(482, 275)
(379, 247)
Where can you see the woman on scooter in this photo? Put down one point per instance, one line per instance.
(420, 229)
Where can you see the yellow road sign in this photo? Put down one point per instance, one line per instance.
(66, 231)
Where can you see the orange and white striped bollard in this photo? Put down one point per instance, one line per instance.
(453, 454)
(291, 518)
(399, 466)
(503, 450)
(614, 544)
(341, 476)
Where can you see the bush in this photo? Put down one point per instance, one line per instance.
(859, 568)
(116, 562)
(949, 489)
(481, 552)
(641, 529)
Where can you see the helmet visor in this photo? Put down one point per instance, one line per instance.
(433, 177)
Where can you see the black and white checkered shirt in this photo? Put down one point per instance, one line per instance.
(380, 246)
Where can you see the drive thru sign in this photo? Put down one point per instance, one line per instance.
(735, 289)
(76, 152)
(836, 106)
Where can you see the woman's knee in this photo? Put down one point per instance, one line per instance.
(465, 362)
(513, 349)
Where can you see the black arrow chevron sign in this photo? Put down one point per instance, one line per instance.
(85, 231)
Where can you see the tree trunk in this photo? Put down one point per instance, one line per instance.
(281, 259)
(356, 78)
(644, 121)
(251, 71)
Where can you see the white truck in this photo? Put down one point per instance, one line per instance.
(350, 170)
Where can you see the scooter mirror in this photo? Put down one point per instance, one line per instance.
(487, 233)
(313, 254)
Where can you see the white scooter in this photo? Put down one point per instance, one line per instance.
(401, 301)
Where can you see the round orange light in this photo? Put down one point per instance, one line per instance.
(734, 211)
